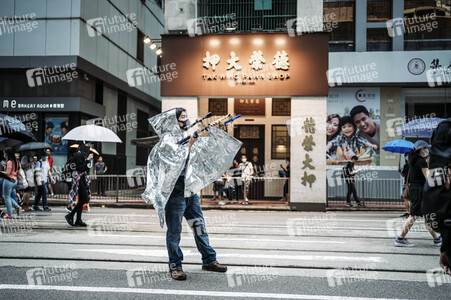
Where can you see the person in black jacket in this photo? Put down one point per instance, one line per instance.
(350, 182)
(404, 172)
(80, 184)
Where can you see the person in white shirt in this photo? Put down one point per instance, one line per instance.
(42, 169)
(247, 171)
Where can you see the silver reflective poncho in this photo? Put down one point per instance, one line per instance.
(209, 158)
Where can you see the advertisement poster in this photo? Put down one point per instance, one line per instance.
(55, 130)
(353, 126)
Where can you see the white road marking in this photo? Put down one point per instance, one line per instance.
(83, 289)
(163, 253)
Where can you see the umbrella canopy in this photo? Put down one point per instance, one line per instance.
(92, 133)
(398, 146)
(34, 146)
(12, 128)
(6, 142)
(420, 127)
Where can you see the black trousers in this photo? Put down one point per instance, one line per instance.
(100, 185)
(83, 198)
(351, 190)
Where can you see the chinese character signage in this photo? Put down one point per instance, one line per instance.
(260, 64)
(250, 106)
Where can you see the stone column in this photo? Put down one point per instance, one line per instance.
(189, 103)
(308, 188)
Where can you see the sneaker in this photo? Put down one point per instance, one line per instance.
(47, 208)
(438, 241)
(405, 215)
(222, 203)
(70, 219)
(35, 208)
(349, 205)
(215, 267)
(402, 243)
(178, 274)
(69, 210)
(80, 223)
(361, 204)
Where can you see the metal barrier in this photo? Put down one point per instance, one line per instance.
(375, 192)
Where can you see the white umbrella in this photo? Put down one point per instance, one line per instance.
(92, 133)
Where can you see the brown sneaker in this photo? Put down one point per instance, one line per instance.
(178, 274)
(215, 267)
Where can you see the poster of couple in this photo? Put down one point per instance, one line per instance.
(353, 126)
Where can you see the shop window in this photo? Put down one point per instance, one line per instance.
(339, 22)
(140, 46)
(281, 107)
(218, 106)
(379, 11)
(280, 142)
(427, 26)
(426, 102)
(142, 131)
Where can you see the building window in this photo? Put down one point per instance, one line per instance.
(140, 47)
(281, 107)
(218, 106)
(99, 92)
(280, 142)
(379, 11)
(339, 21)
(427, 27)
(377, 39)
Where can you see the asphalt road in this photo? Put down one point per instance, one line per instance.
(271, 255)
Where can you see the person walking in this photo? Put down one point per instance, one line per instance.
(42, 170)
(12, 169)
(80, 184)
(28, 163)
(286, 170)
(52, 168)
(349, 177)
(247, 171)
(418, 174)
(404, 173)
(100, 169)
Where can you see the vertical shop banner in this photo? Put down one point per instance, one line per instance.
(55, 130)
(353, 126)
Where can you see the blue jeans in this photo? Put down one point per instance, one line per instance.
(8, 188)
(42, 192)
(178, 207)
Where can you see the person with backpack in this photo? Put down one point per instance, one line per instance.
(417, 178)
(42, 169)
(437, 190)
(12, 169)
(348, 173)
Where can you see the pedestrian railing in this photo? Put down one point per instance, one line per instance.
(377, 192)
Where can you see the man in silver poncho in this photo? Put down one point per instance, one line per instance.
(176, 173)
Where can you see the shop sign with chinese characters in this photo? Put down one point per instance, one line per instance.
(309, 128)
(259, 64)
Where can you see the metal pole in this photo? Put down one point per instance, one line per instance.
(117, 188)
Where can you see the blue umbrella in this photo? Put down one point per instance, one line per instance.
(398, 146)
(422, 128)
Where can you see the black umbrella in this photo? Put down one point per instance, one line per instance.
(6, 142)
(14, 129)
(33, 146)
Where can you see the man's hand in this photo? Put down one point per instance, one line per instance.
(444, 263)
(12, 180)
(53, 181)
(192, 140)
(90, 156)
